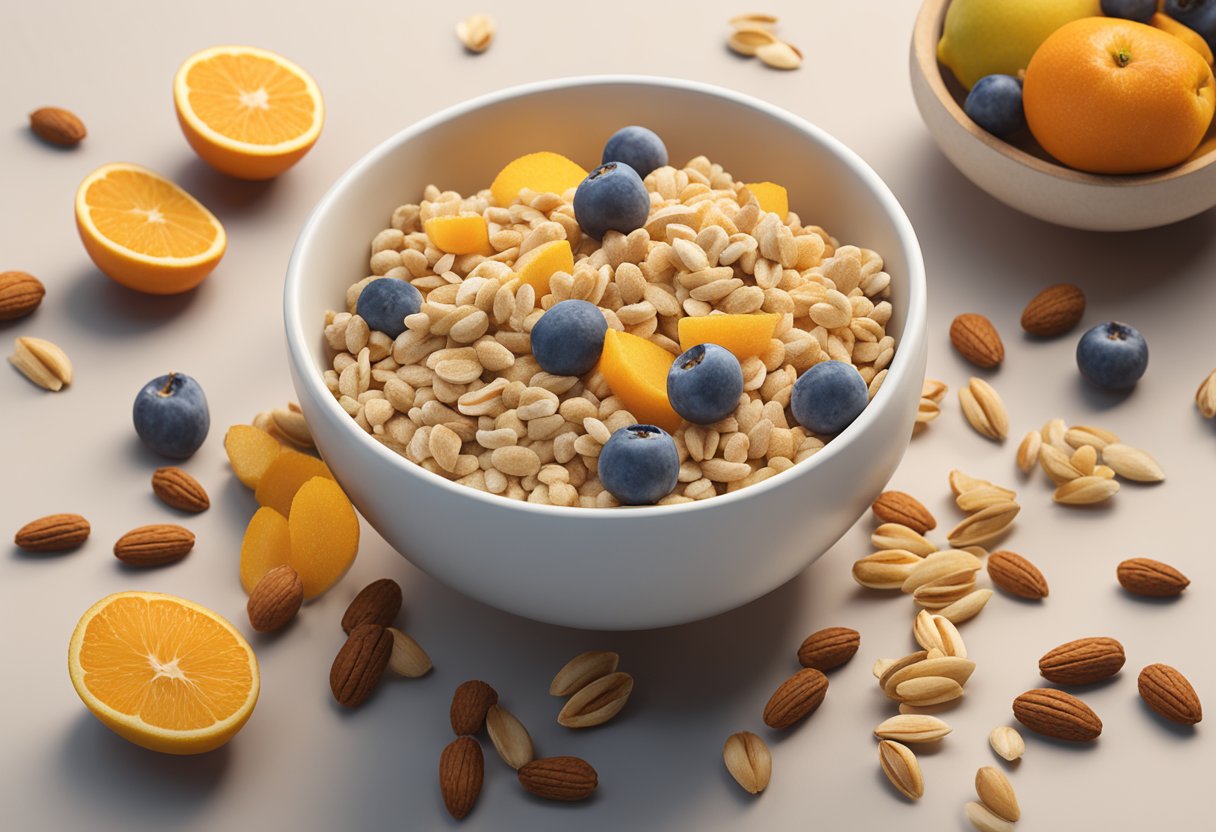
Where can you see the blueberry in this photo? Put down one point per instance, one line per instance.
(1112, 356)
(1199, 15)
(639, 465)
(828, 397)
(171, 415)
(705, 383)
(995, 103)
(637, 147)
(385, 302)
(567, 340)
(1137, 10)
(611, 198)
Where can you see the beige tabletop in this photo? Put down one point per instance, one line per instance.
(302, 762)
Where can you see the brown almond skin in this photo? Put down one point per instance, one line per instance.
(58, 126)
(461, 773)
(20, 295)
(1054, 713)
(1152, 578)
(899, 507)
(796, 698)
(275, 600)
(829, 648)
(559, 778)
(179, 490)
(156, 545)
(1054, 311)
(1016, 575)
(470, 703)
(1082, 662)
(977, 340)
(1168, 692)
(359, 664)
(377, 603)
(53, 533)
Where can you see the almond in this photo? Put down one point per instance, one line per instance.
(1016, 575)
(796, 698)
(928, 690)
(829, 648)
(582, 670)
(887, 569)
(956, 669)
(898, 507)
(997, 793)
(57, 126)
(559, 778)
(20, 294)
(977, 340)
(470, 703)
(983, 819)
(1054, 713)
(748, 760)
(154, 545)
(1007, 743)
(511, 739)
(53, 533)
(42, 362)
(408, 658)
(179, 490)
(461, 772)
(1145, 576)
(899, 536)
(1168, 692)
(377, 603)
(902, 769)
(907, 728)
(1082, 662)
(1054, 311)
(598, 702)
(1132, 463)
(985, 525)
(275, 600)
(359, 664)
(967, 607)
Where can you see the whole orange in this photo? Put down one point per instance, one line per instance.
(1107, 95)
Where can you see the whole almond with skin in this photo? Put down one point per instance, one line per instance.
(977, 340)
(598, 702)
(1054, 713)
(179, 490)
(58, 126)
(359, 664)
(377, 603)
(461, 773)
(796, 698)
(511, 739)
(407, 658)
(829, 648)
(1016, 575)
(1145, 576)
(1054, 311)
(20, 295)
(582, 670)
(154, 545)
(898, 507)
(275, 600)
(559, 778)
(53, 533)
(901, 767)
(1082, 662)
(1168, 692)
(470, 703)
(996, 792)
(748, 760)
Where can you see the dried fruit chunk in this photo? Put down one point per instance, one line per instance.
(266, 545)
(288, 471)
(324, 534)
(744, 335)
(466, 234)
(773, 198)
(537, 266)
(748, 760)
(636, 370)
(543, 172)
(250, 452)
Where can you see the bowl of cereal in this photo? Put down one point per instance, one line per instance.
(611, 396)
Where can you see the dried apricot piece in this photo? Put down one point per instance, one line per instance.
(266, 544)
(324, 534)
(250, 452)
(539, 265)
(636, 370)
(772, 198)
(743, 335)
(280, 482)
(466, 234)
(544, 172)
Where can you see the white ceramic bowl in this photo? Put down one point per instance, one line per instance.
(1032, 182)
(626, 568)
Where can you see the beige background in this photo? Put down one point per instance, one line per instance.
(303, 763)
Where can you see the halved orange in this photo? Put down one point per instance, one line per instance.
(145, 232)
(163, 672)
(246, 111)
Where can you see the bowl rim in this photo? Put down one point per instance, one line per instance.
(902, 363)
(925, 34)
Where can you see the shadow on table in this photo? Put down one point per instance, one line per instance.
(102, 307)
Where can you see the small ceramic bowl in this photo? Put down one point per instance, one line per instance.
(625, 568)
(1026, 178)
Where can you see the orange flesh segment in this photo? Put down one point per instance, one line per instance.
(267, 544)
(543, 172)
(636, 370)
(324, 535)
(149, 215)
(459, 235)
(538, 266)
(743, 335)
(772, 198)
(250, 451)
(280, 482)
(250, 99)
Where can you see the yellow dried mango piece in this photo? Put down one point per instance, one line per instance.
(465, 234)
(250, 451)
(772, 198)
(324, 535)
(543, 172)
(280, 482)
(267, 544)
(636, 370)
(743, 335)
(540, 264)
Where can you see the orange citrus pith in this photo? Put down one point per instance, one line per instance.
(248, 112)
(1114, 96)
(163, 672)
